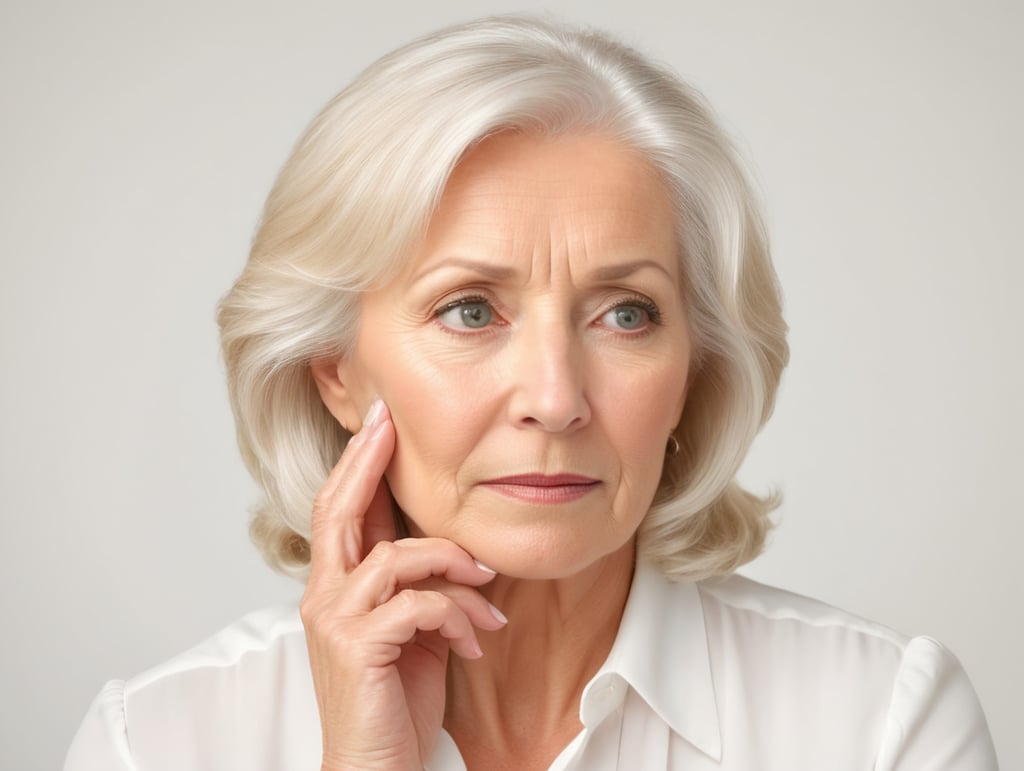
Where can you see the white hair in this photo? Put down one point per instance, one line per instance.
(354, 200)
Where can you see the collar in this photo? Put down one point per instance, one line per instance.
(661, 652)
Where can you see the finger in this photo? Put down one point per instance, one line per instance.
(340, 506)
(373, 417)
(481, 613)
(397, 621)
(393, 565)
(379, 522)
(367, 470)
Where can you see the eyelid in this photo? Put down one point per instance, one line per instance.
(647, 304)
(461, 299)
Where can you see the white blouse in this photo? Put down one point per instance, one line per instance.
(729, 675)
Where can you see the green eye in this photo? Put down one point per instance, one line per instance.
(628, 317)
(467, 314)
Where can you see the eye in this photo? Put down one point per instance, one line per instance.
(467, 313)
(631, 316)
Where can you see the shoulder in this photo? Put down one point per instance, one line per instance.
(789, 650)
(264, 638)
(813, 665)
(244, 690)
(737, 602)
(793, 648)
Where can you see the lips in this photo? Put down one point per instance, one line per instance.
(543, 488)
(543, 480)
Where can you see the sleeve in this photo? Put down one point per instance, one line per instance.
(935, 720)
(101, 743)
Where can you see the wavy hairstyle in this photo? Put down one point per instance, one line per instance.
(356, 195)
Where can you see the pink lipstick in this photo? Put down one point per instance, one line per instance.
(544, 488)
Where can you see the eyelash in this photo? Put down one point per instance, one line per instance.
(653, 314)
(462, 300)
(466, 299)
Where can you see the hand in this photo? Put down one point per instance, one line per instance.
(381, 615)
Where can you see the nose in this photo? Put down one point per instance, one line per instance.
(548, 377)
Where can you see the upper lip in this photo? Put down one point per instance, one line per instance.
(542, 480)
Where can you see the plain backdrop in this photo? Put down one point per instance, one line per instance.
(138, 140)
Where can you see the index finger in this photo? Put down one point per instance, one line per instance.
(352, 488)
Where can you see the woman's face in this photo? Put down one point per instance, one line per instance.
(533, 354)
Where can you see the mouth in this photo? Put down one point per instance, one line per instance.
(543, 488)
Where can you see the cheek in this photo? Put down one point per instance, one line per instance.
(440, 413)
(645, 397)
(646, 409)
(436, 408)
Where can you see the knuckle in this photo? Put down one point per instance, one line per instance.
(409, 601)
(317, 525)
(383, 554)
(440, 602)
(327, 630)
(312, 615)
(322, 597)
(308, 609)
(406, 600)
(322, 503)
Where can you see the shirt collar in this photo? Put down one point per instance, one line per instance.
(661, 651)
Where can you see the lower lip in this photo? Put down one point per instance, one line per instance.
(543, 494)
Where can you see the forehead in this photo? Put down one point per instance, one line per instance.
(581, 170)
(580, 190)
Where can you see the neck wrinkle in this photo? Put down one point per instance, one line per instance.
(528, 684)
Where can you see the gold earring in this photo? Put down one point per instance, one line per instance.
(672, 446)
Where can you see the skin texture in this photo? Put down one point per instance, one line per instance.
(539, 333)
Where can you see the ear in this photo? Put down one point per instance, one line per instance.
(337, 395)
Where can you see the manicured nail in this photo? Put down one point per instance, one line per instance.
(498, 614)
(374, 413)
(484, 568)
(476, 650)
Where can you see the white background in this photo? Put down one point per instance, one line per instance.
(138, 140)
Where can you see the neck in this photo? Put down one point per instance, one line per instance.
(525, 690)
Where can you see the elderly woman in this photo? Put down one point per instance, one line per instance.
(515, 279)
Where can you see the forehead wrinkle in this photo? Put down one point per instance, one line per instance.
(591, 248)
(537, 215)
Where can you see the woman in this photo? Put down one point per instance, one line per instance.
(514, 278)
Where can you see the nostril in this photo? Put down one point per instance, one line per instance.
(547, 380)
(557, 418)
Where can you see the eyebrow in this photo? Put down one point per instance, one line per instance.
(486, 269)
(503, 273)
(621, 270)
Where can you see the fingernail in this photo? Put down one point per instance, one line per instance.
(374, 413)
(498, 614)
(484, 568)
(477, 650)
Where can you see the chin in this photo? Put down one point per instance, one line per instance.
(533, 548)
(542, 559)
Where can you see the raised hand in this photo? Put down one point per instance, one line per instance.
(381, 616)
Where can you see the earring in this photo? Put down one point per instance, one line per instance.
(672, 446)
